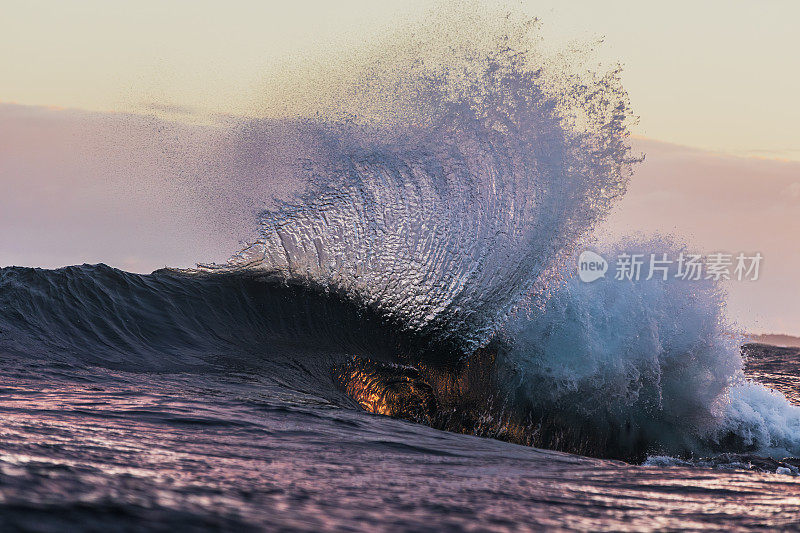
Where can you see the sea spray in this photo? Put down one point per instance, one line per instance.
(443, 210)
(646, 365)
(447, 189)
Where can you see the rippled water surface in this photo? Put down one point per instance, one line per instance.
(111, 450)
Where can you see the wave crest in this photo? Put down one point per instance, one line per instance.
(443, 210)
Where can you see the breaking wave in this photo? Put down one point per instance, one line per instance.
(647, 366)
(447, 193)
(442, 211)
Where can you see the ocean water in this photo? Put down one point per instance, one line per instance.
(405, 345)
(226, 417)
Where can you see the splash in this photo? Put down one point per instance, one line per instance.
(447, 184)
(647, 366)
(455, 189)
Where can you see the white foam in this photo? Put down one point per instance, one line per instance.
(763, 418)
(656, 355)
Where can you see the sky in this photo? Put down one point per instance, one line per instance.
(718, 74)
(714, 84)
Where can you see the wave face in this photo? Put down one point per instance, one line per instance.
(168, 321)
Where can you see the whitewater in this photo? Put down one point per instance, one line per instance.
(426, 272)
